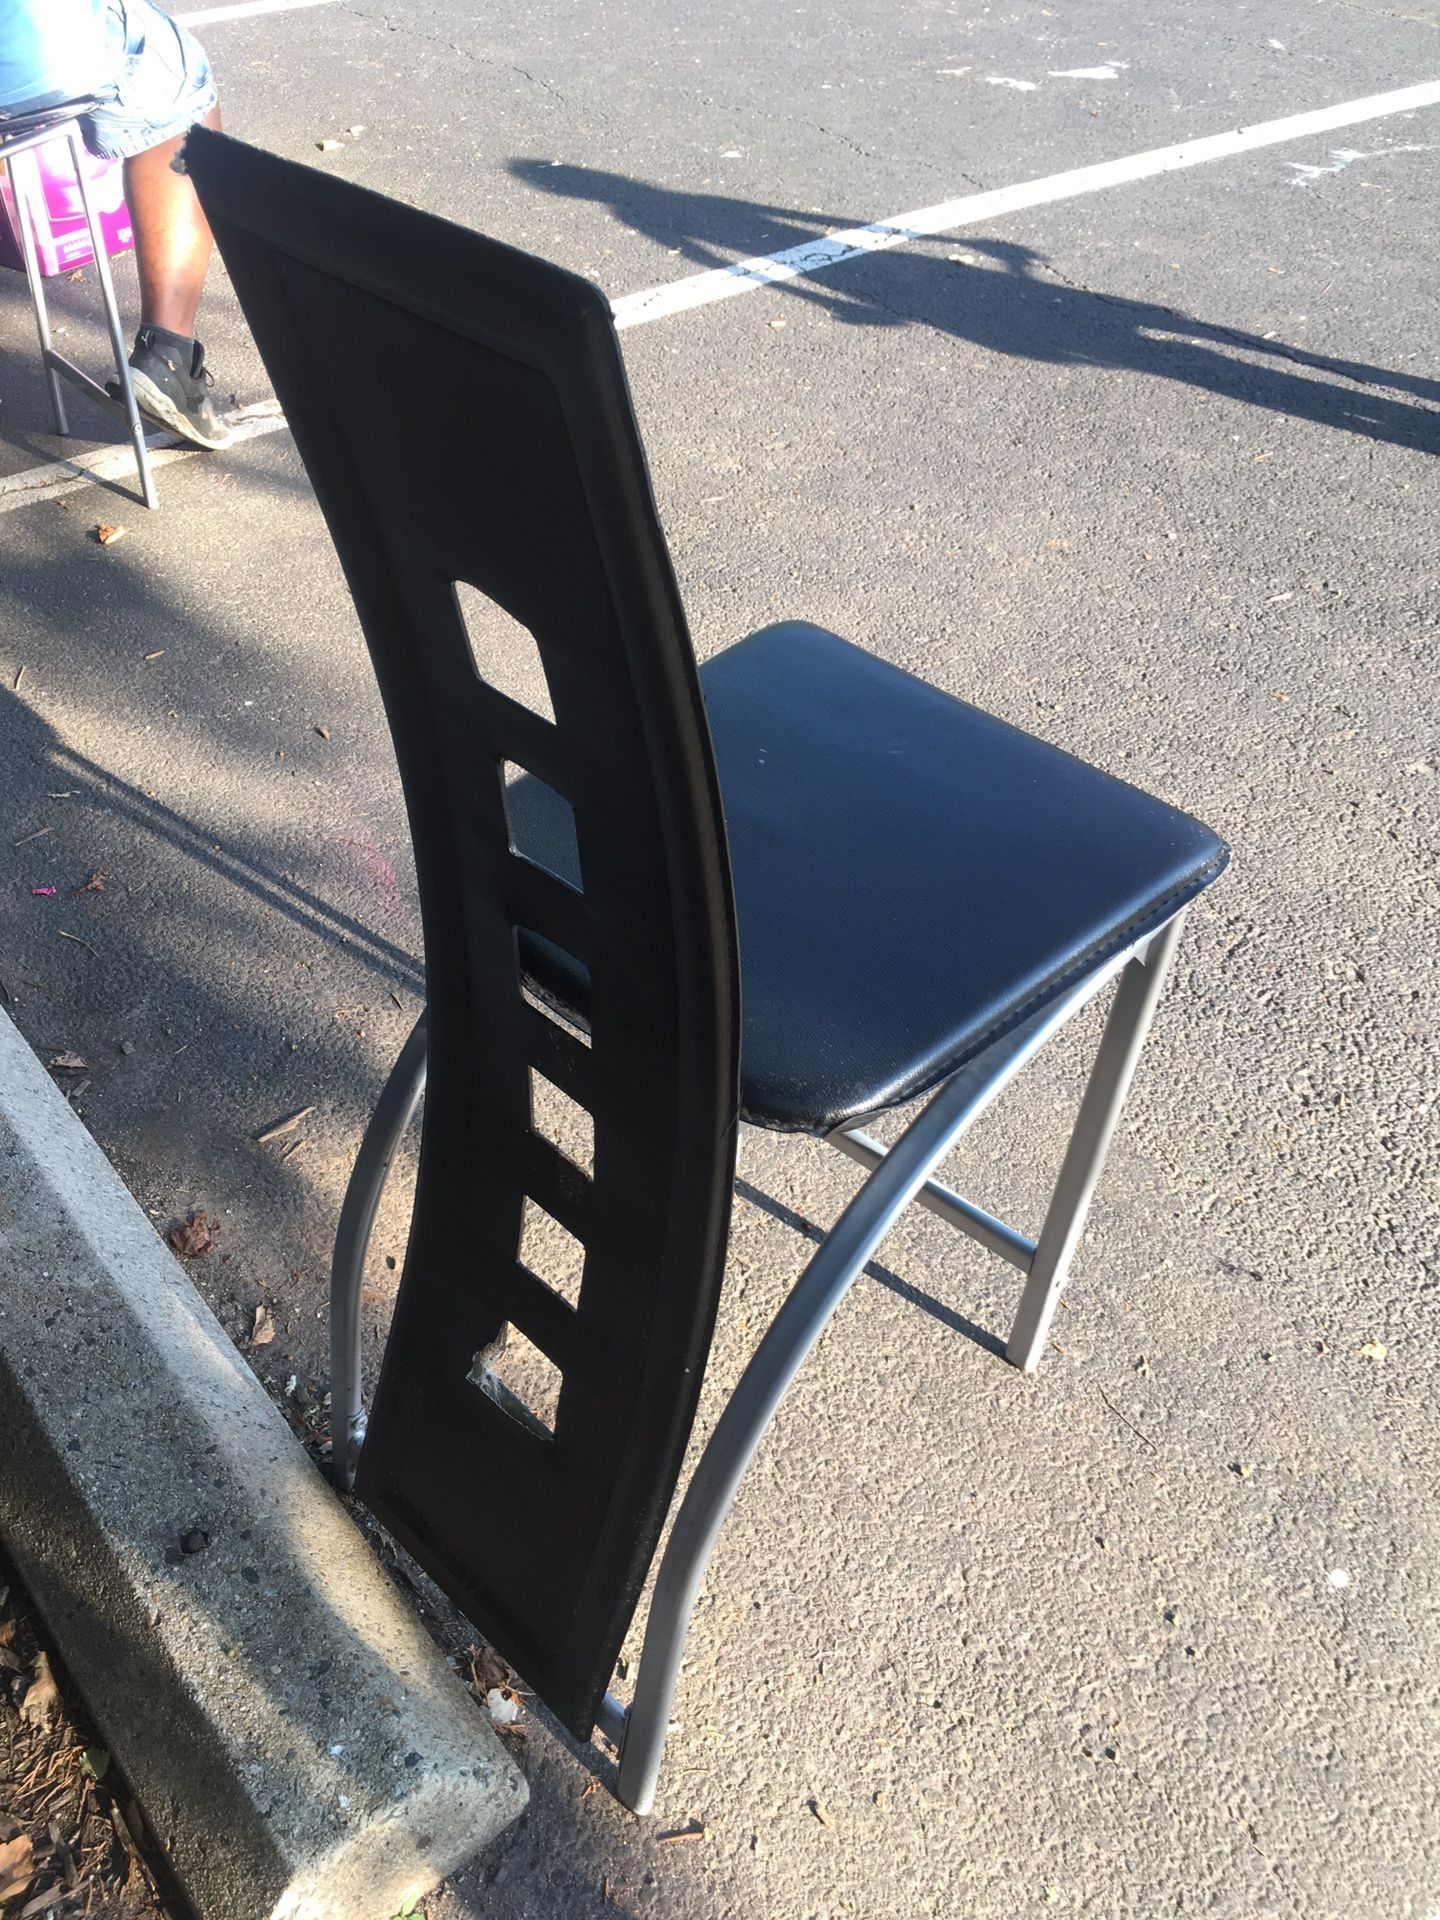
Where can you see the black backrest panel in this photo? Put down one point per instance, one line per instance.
(463, 414)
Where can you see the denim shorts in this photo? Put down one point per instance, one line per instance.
(162, 86)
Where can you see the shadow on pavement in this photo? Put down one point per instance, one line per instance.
(1007, 299)
(883, 1276)
(82, 778)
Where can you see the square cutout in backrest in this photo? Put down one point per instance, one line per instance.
(541, 823)
(503, 652)
(559, 1018)
(519, 1379)
(554, 975)
(552, 1254)
(569, 1127)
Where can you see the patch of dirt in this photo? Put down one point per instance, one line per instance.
(71, 1836)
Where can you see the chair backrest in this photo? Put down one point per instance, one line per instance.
(463, 413)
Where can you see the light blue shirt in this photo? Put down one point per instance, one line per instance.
(53, 48)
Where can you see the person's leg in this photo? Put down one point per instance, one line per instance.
(172, 238)
(163, 87)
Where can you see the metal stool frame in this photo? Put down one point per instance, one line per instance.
(21, 147)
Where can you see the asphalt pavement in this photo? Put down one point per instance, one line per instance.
(1148, 471)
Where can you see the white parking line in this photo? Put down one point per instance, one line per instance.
(59, 477)
(205, 16)
(813, 256)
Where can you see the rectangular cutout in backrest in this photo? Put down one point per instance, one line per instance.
(550, 976)
(551, 1253)
(569, 1127)
(541, 823)
(518, 1378)
(563, 1022)
(504, 653)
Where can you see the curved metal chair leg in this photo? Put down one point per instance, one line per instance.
(793, 1332)
(394, 1111)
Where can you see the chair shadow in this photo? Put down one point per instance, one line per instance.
(29, 737)
(1007, 299)
(913, 1296)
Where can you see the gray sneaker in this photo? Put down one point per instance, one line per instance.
(172, 394)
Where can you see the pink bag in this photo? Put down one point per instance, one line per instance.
(62, 239)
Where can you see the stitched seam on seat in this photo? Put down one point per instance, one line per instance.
(1127, 936)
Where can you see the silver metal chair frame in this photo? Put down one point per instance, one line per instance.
(21, 147)
(899, 1175)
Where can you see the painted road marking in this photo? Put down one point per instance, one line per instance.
(118, 463)
(242, 10)
(814, 256)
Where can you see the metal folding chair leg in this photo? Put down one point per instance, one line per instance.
(57, 367)
(899, 1179)
(35, 281)
(1046, 1262)
(394, 1111)
(1136, 998)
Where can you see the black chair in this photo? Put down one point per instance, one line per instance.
(921, 897)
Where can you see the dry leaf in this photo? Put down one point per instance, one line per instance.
(42, 1696)
(489, 1670)
(107, 536)
(96, 882)
(192, 1237)
(70, 1062)
(263, 1331)
(1373, 1350)
(17, 1863)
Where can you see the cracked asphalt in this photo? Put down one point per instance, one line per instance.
(1149, 472)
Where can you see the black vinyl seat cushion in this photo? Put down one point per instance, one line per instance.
(913, 877)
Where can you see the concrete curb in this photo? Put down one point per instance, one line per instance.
(297, 1742)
